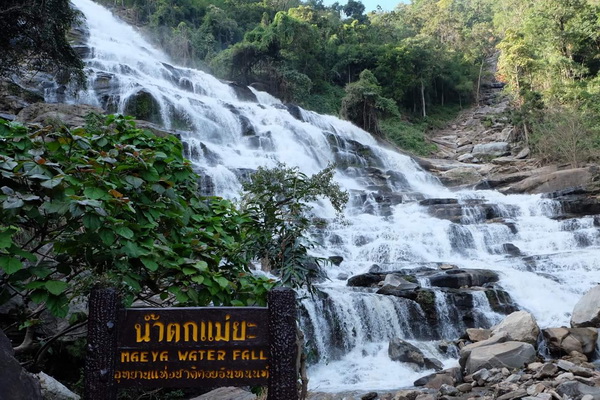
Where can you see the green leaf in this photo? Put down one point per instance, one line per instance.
(92, 221)
(124, 232)
(223, 282)
(149, 263)
(39, 296)
(56, 287)
(95, 193)
(41, 272)
(133, 250)
(199, 279)
(179, 294)
(107, 236)
(10, 265)
(12, 202)
(51, 183)
(134, 181)
(189, 271)
(6, 239)
(58, 305)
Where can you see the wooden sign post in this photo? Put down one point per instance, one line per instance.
(203, 347)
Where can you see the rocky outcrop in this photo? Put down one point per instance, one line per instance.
(501, 355)
(67, 114)
(15, 382)
(519, 326)
(400, 350)
(587, 310)
(555, 181)
(563, 341)
(54, 390)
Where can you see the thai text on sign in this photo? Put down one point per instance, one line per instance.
(180, 346)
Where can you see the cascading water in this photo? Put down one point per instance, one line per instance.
(399, 217)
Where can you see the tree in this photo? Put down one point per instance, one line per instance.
(364, 105)
(113, 205)
(279, 202)
(33, 37)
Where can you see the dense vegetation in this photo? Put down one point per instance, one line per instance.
(33, 37)
(110, 205)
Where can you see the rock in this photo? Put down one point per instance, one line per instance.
(465, 352)
(548, 370)
(46, 113)
(450, 376)
(587, 310)
(478, 334)
(342, 276)
(464, 387)
(448, 390)
(400, 350)
(396, 285)
(519, 326)
(227, 393)
(370, 279)
(508, 354)
(493, 149)
(511, 250)
(53, 389)
(143, 105)
(458, 278)
(576, 390)
(523, 153)
(15, 382)
(562, 341)
(8, 117)
(462, 175)
(554, 181)
(369, 396)
(336, 260)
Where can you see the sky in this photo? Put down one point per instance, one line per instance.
(371, 5)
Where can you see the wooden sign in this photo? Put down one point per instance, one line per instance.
(187, 347)
(191, 347)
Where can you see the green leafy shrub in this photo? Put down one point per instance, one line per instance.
(114, 205)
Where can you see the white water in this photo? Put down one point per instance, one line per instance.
(394, 236)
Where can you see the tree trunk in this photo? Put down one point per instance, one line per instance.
(423, 98)
(479, 79)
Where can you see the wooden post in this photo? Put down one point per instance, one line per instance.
(101, 349)
(283, 376)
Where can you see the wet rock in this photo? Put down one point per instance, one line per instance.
(576, 390)
(555, 181)
(457, 278)
(370, 279)
(336, 260)
(400, 350)
(511, 250)
(586, 312)
(15, 382)
(519, 326)
(369, 396)
(243, 93)
(562, 341)
(144, 106)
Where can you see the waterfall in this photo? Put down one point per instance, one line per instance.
(399, 217)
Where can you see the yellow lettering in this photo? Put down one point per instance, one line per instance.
(144, 356)
(125, 356)
(236, 354)
(221, 355)
(161, 330)
(173, 332)
(210, 355)
(183, 355)
(138, 331)
(164, 356)
(186, 331)
(220, 336)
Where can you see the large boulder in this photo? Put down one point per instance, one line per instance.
(587, 310)
(459, 278)
(465, 352)
(15, 382)
(519, 326)
(501, 355)
(451, 376)
(493, 149)
(47, 113)
(555, 181)
(54, 390)
(562, 341)
(400, 350)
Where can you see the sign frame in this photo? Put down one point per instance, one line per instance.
(204, 347)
